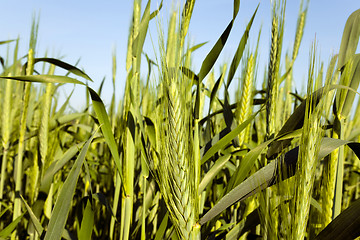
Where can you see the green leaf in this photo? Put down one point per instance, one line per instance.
(57, 165)
(354, 84)
(140, 39)
(105, 125)
(7, 41)
(161, 231)
(39, 229)
(156, 12)
(6, 232)
(45, 79)
(63, 202)
(190, 74)
(4, 210)
(214, 53)
(150, 131)
(245, 166)
(218, 144)
(350, 38)
(236, 8)
(265, 177)
(185, 18)
(87, 222)
(344, 226)
(296, 120)
(63, 65)
(192, 49)
(256, 182)
(214, 170)
(239, 52)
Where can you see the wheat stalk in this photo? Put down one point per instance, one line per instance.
(21, 146)
(5, 130)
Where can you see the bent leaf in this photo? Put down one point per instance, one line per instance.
(266, 176)
(63, 65)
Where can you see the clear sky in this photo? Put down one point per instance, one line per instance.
(90, 30)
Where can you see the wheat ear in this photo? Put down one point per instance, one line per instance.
(174, 170)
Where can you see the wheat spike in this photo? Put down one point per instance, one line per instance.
(243, 110)
(272, 75)
(309, 146)
(299, 34)
(176, 169)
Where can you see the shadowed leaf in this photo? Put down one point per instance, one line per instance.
(62, 65)
(345, 226)
(239, 52)
(265, 177)
(214, 53)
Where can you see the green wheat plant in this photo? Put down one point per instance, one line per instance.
(184, 154)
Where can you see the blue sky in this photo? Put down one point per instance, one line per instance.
(90, 30)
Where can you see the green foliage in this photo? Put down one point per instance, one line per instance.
(176, 158)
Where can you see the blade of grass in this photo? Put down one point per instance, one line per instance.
(63, 203)
(6, 232)
(221, 143)
(87, 222)
(239, 52)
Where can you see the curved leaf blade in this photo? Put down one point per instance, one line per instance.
(105, 126)
(222, 142)
(344, 226)
(239, 52)
(65, 66)
(266, 176)
(214, 53)
(350, 38)
(6, 232)
(63, 203)
(256, 182)
(45, 79)
(210, 175)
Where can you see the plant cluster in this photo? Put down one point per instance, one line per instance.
(176, 158)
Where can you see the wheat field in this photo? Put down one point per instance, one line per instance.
(182, 155)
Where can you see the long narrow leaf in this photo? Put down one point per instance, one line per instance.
(63, 203)
(45, 79)
(221, 143)
(65, 66)
(39, 229)
(214, 53)
(104, 121)
(265, 176)
(87, 222)
(6, 232)
(239, 52)
(345, 226)
(350, 38)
